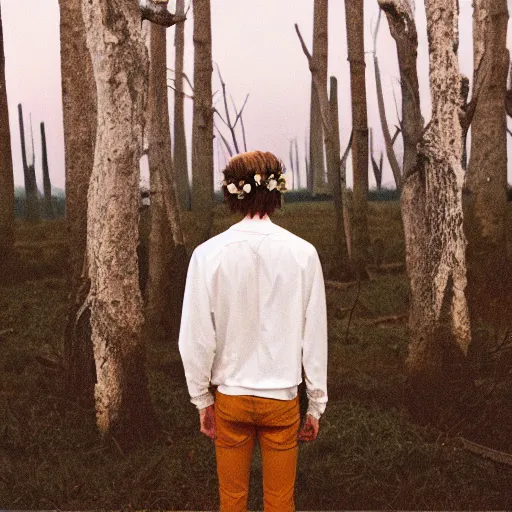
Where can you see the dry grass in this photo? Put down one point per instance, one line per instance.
(369, 454)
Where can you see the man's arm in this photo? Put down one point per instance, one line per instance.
(314, 350)
(197, 341)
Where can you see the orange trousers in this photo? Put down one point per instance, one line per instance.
(240, 421)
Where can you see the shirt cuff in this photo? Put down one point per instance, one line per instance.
(203, 401)
(316, 410)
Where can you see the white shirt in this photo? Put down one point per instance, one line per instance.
(254, 311)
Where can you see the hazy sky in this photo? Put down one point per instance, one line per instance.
(258, 52)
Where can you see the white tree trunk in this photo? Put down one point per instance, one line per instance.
(120, 64)
(431, 204)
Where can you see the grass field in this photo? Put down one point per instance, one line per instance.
(369, 454)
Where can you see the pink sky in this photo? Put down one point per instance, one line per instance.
(258, 52)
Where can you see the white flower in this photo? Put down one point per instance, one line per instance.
(272, 184)
(271, 176)
(232, 188)
(247, 187)
(257, 179)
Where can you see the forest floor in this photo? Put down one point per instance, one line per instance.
(370, 454)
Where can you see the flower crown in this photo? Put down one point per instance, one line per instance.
(271, 183)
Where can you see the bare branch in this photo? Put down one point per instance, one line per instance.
(215, 111)
(243, 133)
(184, 93)
(185, 77)
(226, 143)
(230, 126)
(303, 44)
(323, 100)
(393, 161)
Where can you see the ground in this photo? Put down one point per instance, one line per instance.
(369, 454)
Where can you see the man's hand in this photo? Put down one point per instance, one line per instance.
(207, 419)
(310, 428)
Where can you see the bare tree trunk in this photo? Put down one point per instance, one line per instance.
(431, 201)
(485, 194)
(6, 171)
(297, 165)
(120, 64)
(31, 201)
(342, 271)
(354, 14)
(180, 141)
(202, 124)
(47, 185)
(167, 254)
(316, 180)
(79, 114)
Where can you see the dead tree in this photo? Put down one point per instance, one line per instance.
(79, 109)
(318, 62)
(47, 185)
(29, 173)
(297, 165)
(393, 161)
(377, 168)
(485, 190)
(120, 64)
(342, 269)
(168, 260)
(202, 122)
(431, 203)
(6, 169)
(180, 141)
(231, 125)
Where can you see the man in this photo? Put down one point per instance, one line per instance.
(254, 312)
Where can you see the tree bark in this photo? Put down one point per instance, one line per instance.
(431, 201)
(318, 63)
(485, 194)
(47, 185)
(6, 170)
(180, 141)
(354, 14)
(202, 123)
(167, 254)
(120, 64)
(79, 115)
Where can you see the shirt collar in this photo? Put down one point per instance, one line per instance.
(256, 224)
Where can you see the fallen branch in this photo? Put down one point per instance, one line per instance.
(484, 451)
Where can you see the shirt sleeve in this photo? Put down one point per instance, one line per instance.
(197, 342)
(314, 349)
